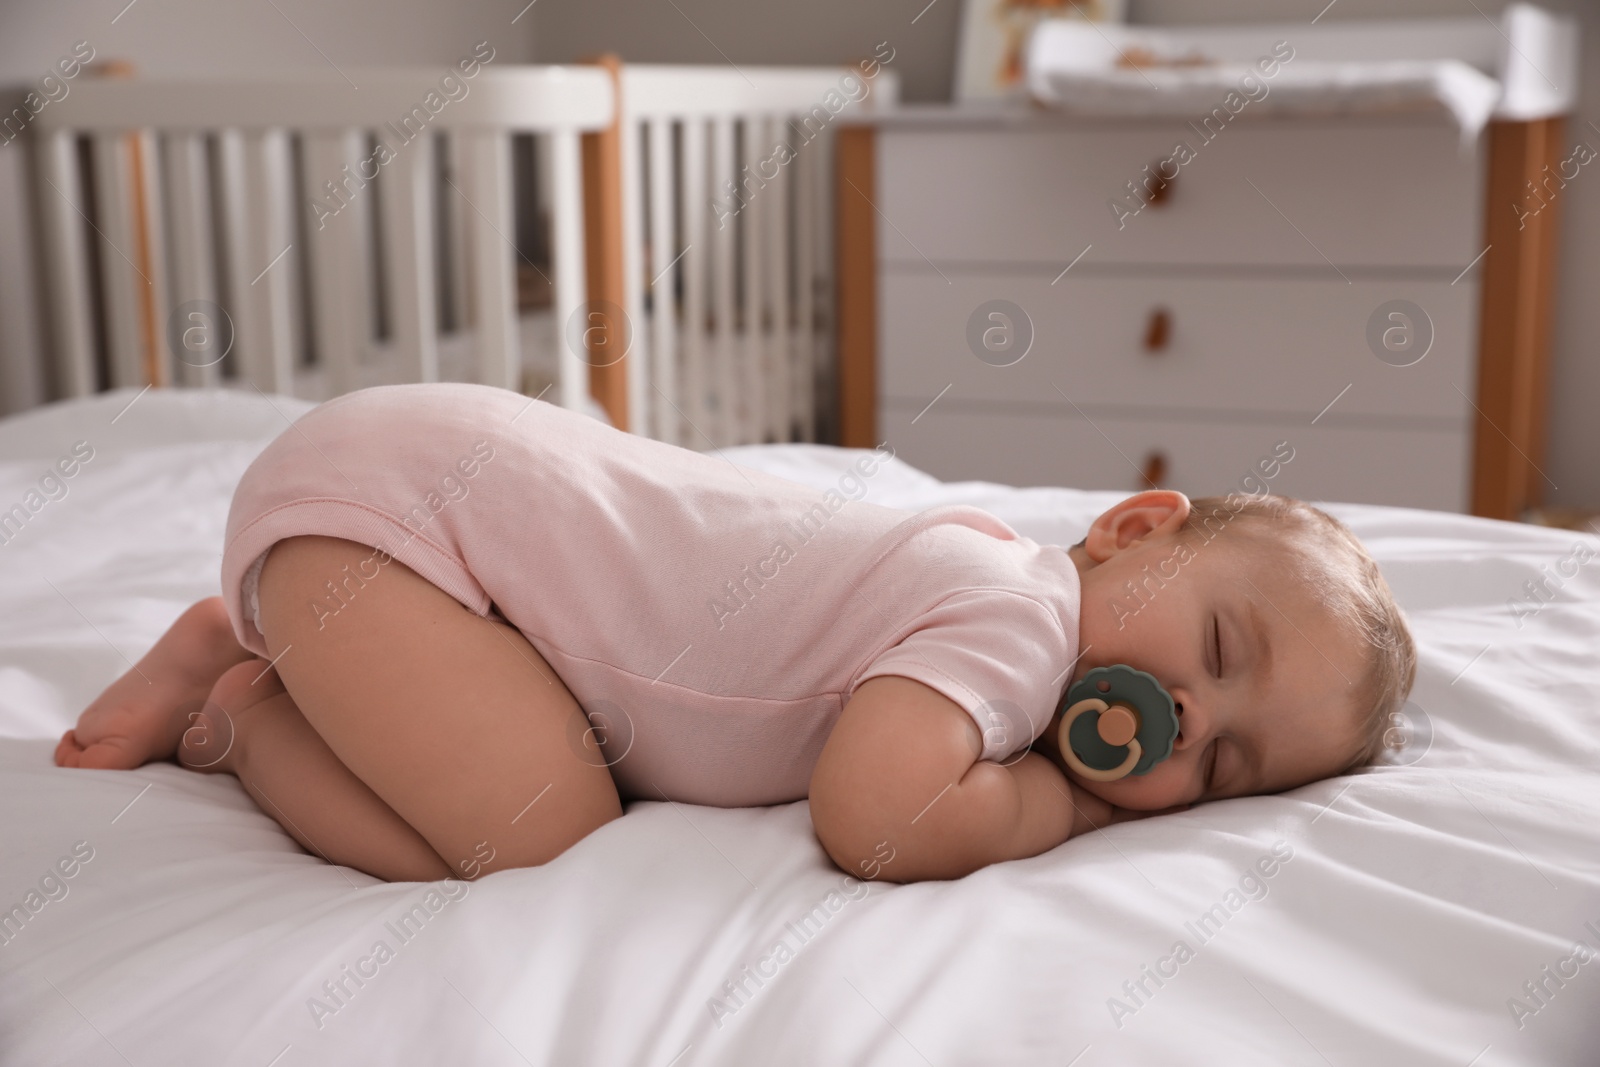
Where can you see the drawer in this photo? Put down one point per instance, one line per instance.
(1400, 467)
(1231, 344)
(1360, 191)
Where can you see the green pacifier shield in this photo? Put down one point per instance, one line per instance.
(1158, 718)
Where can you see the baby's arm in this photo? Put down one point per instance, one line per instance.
(899, 791)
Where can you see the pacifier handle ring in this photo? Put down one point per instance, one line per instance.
(1064, 743)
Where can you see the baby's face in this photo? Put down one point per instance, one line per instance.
(1264, 679)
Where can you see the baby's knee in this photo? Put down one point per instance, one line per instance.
(217, 736)
(208, 743)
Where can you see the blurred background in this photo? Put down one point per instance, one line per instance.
(210, 38)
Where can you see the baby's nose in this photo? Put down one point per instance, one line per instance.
(1190, 725)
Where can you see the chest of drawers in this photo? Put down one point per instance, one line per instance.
(1032, 299)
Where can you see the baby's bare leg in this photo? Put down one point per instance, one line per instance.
(251, 728)
(454, 721)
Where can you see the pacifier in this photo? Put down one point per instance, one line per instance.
(1118, 721)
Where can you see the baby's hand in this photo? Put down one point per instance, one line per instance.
(1093, 813)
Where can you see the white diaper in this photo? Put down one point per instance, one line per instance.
(249, 587)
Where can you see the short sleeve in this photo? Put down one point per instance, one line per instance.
(998, 654)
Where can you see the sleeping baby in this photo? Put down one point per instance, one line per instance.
(459, 629)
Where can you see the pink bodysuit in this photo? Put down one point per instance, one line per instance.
(712, 620)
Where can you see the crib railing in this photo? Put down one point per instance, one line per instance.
(196, 209)
(727, 222)
(303, 236)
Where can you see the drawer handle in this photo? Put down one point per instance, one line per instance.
(1155, 470)
(1161, 188)
(1158, 331)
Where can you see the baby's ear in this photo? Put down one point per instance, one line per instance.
(1152, 513)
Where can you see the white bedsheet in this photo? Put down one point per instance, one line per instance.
(1416, 901)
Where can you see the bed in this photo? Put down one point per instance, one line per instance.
(1428, 911)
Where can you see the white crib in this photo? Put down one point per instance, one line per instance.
(737, 299)
(252, 233)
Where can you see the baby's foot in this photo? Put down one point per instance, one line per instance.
(143, 714)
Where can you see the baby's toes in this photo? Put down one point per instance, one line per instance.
(106, 754)
(68, 750)
(111, 754)
(118, 738)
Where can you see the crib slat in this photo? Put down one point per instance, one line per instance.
(192, 270)
(335, 238)
(722, 348)
(566, 219)
(641, 397)
(820, 367)
(362, 279)
(693, 194)
(121, 279)
(65, 261)
(488, 224)
(780, 350)
(664, 263)
(459, 218)
(807, 178)
(255, 184)
(266, 157)
(151, 255)
(23, 369)
(753, 371)
(408, 229)
(236, 251)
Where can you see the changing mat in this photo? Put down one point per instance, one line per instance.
(1523, 67)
